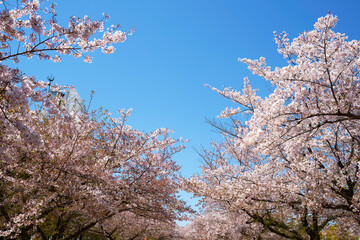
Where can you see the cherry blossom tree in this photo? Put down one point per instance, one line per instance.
(290, 161)
(217, 223)
(66, 173)
(129, 226)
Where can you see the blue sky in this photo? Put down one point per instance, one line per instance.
(177, 47)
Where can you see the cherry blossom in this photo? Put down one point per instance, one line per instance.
(290, 159)
(68, 173)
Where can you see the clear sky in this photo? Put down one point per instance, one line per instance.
(177, 47)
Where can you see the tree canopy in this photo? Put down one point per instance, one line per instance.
(290, 161)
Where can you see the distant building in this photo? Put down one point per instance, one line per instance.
(71, 98)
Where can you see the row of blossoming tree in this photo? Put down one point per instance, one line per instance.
(288, 167)
(66, 175)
